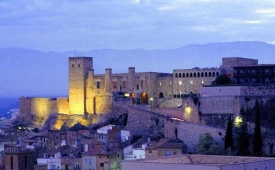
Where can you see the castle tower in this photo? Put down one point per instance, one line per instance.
(131, 71)
(79, 68)
(108, 73)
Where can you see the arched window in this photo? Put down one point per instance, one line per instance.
(209, 74)
(217, 74)
(201, 74)
(183, 74)
(176, 75)
(187, 75)
(205, 74)
(198, 74)
(213, 74)
(191, 75)
(195, 75)
(160, 95)
(179, 74)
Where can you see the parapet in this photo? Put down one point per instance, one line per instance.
(80, 58)
(131, 70)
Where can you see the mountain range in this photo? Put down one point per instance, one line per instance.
(27, 72)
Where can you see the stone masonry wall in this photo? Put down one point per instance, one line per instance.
(144, 121)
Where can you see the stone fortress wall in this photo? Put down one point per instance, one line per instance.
(93, 94)
(230, 99)
(229, 62)
(141, 121)
(187, 81)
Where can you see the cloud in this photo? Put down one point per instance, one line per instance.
(166, 8)
(265, 11)
(252, 21)
(205, 28)
(134, 1)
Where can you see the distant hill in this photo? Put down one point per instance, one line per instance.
(6, 104)
(30, 72)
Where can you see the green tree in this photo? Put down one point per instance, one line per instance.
(243, 141)
(208, 146)
(228, 141)
(257, 140)
(222, 80)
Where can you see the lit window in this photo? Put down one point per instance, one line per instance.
(180, 83)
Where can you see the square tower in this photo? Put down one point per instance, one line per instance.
(78, 71)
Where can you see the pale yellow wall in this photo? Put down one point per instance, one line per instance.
(79, 68)
(63, 105)
(103, 104)
(42, 108)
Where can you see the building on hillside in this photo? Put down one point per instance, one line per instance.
(65, 157)
(229, 62)
(113, 137)
(100, 159)
(165, 147)
(199, 162)
(137, 150)
(91, 93)
(186, 81)
(19, 158)
(220, 102)
(255, 74)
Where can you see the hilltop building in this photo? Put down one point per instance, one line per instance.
(91, 95)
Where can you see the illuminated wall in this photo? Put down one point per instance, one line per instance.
(78, 71)
(63, 105)
(103, 104)
(190, 110)
(42, 108)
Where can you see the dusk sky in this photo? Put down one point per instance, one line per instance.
(52, 25)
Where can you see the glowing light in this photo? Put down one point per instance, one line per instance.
(151, 99)
(238, 121)
(174, 118)
(188, 109)
(126, 94)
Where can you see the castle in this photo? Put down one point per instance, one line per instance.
(92, 94)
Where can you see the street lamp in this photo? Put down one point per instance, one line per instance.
(151, 99)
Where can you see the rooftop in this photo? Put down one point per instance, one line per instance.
(204, 159)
